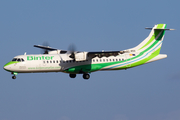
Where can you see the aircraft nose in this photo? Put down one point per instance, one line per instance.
(6, 67)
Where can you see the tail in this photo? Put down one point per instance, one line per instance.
(155, 38)
(149, 49)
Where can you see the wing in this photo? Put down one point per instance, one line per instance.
(80, 55)
(45, 47)
(50, 49)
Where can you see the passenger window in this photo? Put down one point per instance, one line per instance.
(53, 61)
(57, 61)
(22, 60)
(119, 59)
(122, 59)
(47, 61)
(43, 61)
(50, 61)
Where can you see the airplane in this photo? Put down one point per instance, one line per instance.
(81, 62)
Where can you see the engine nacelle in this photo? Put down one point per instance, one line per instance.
(54, 52)
(81, 56)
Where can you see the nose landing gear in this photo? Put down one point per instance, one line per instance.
(14, 77)
(14, 73)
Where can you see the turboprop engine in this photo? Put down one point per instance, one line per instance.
(80, 56)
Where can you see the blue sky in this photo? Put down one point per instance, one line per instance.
(146, 92)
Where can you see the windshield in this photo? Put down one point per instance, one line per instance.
(14, 59)
(18, 59)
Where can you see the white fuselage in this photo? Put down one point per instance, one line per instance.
(55, 62)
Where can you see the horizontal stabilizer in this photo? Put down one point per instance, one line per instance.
(159, 29)
(158, 57)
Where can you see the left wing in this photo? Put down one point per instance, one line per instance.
(81, 56)
(45, 47)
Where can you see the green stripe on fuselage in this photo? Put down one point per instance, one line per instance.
(11, 62)
(96, 67)
(154, 54)
(90, 67)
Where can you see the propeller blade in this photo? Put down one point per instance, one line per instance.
(72, 50)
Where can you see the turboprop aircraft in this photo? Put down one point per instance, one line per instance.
(77, 62)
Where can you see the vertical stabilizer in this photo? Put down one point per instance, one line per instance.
(149, 49)
(154, 39)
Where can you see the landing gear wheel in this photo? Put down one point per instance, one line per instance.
(14, 77)
(86, 76)
(72, 75)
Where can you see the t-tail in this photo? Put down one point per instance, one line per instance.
(149, 49)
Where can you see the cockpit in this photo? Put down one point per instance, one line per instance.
(18, 59)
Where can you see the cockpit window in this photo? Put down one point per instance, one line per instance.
(18, 59)
(14, 59)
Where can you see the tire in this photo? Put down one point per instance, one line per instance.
(13, 77)
(86, 76)
(72, 75)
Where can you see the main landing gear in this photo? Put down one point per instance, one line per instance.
(72, 75)
(85, 76)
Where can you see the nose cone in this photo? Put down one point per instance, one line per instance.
(6, 67)
(10, 66)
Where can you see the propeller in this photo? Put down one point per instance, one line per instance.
(72, 50)
(45, 51)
